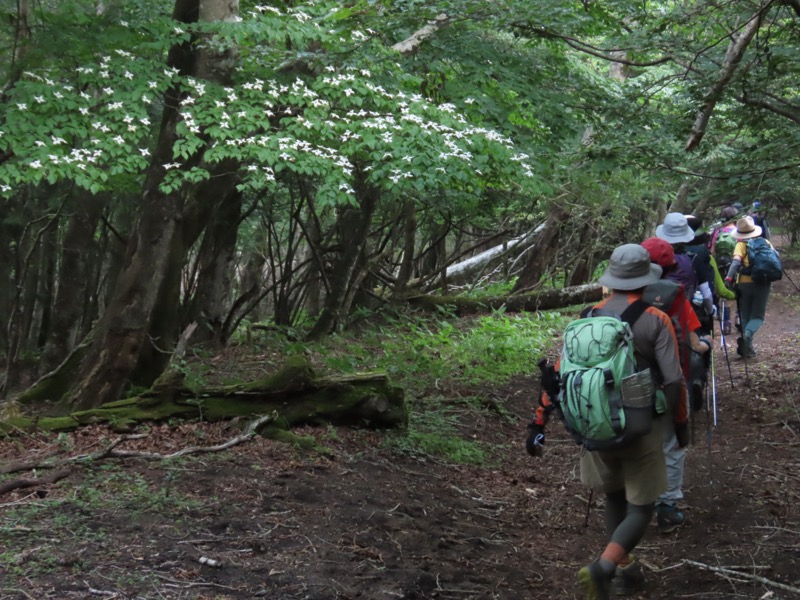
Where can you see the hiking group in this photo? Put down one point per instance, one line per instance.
(635, 366)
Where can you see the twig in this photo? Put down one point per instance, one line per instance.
(8, 486)
(732, 573)
(250, 431)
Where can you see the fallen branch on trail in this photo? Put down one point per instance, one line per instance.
(249, 432)
(16, 484)
(529, 301)
(742, 575)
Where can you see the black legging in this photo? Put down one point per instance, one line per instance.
(626, 523)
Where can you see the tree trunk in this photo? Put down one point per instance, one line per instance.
(528, 301)
(542, 253)
(73, 280)
(216, 257)
(294, 393)
(157, 248)
(354, 226)
(409, 246)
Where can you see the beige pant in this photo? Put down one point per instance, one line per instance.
(639, 469)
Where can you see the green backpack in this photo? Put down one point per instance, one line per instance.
(606, 403)
(724, 245)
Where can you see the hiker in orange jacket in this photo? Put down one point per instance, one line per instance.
(631, 477)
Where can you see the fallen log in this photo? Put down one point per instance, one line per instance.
(295, 394)
(529, 301)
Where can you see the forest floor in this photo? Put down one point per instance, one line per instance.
(369, 521)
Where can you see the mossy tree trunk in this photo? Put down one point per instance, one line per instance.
(295, 394)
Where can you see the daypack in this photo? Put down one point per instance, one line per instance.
(606, 403)
(662, 295)
(684, 274)
(764, 264)
(724, 246)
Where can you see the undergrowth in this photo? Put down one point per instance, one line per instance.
(428, 355)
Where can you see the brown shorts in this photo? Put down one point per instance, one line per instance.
(639, 469)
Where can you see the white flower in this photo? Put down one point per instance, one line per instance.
(22, 106)
(5, 188)
(178, 30)
(146, 100)
(144, 151)
(114, 105)
(169, 166)
(39, 99)
(152, 85)
(36, 164)
(84, 110)
(57, 140)
(119, 139)
(128, 75)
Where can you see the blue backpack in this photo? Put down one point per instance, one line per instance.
(764, 264)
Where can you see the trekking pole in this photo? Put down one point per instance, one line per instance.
(723, 342)
(713, 382)
(790, 279)
(588, 508)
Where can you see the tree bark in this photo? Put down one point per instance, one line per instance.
(542, 253)
(529, 301)
(157, 249)
(733, 57)
(295, 393)
(353, 225)
(73, 279)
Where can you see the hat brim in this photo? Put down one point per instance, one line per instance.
(630, 283)
(674, 239)
(746, 236)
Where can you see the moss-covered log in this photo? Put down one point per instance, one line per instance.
(530, 301)
(295, 393)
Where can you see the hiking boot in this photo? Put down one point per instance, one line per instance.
(749, 352)
(596, 585)
(739, 346)
(629, 580)
(669, 518)
(726, 328)
(696, 399)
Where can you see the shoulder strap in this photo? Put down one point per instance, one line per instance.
(635, 310)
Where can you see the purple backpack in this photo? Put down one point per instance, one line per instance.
(684, 274)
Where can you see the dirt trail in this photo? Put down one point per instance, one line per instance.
(367, 524)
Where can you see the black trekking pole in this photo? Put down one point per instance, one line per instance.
(790, 279)
(722, 340)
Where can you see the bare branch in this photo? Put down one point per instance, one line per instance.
(415, 40)
(733, 57)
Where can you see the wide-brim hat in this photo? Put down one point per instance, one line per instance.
(629, 268)
(746, 228)
(675, 229)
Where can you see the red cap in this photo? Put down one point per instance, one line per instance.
(661, 252)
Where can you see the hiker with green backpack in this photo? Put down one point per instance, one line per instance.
(755, 266)
(614, 386)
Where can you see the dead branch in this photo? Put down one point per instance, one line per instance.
(15, 484)
(415, 40)
(249, 432)
(732, 573)
(733, 57)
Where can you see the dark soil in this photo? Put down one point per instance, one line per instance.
(373, 523)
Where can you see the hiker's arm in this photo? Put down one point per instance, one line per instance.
(698, 344)
(719, 284)
(733, 269)
(668, 359)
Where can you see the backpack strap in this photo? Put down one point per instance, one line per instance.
(635, 310)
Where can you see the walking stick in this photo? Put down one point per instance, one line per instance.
(790, 279)
(722, 341)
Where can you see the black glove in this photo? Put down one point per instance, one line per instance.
(682, 433)
(535, 439)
